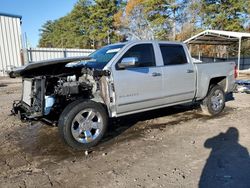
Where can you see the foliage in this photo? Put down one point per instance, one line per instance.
(94, 23)
(132, 21)
(151, 19)
(88, 25)
(228, 15)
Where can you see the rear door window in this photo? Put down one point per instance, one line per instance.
(173, 54)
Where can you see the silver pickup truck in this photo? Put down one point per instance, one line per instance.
(80, 94)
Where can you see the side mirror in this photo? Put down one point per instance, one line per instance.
(128, 62)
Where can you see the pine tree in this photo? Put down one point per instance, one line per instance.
(224, 14)
(95, 23)
(101, 22)
(88, 25)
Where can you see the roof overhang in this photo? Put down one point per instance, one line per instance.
(10, 15)
(217, 37)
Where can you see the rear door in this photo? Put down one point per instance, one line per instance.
(138, 87)
(178, 73)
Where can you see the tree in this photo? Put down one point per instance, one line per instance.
(191, 24)
(151, 19)
(88, 25)
(167, 15)
(46, 34)
(224, 14)
(94, 23)
(101, 22)
(132, 21)
(158, 14)
(69, 31)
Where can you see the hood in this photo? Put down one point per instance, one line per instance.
(47, 67)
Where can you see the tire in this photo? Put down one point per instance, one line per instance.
(214, 102)
(82, 124)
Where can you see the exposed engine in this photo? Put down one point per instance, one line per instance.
(48, 95)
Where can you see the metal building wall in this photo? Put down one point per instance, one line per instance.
(39, 54)
(10, 42)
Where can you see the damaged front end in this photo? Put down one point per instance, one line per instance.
(49, 86)
(32, 103)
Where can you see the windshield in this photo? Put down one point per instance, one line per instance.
(105, 54)
(99, 58)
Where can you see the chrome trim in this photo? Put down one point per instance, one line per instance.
(86, 126)
(217, 100)
(151, 108)
(189, 92)
(154, 74)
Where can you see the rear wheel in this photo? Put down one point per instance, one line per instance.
(214, 102)
(83, 123)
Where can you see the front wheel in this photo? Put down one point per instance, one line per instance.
(82, 124)
(214, 102)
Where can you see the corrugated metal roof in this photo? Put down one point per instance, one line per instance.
(230, 33)
(217, 37)
(10, 15)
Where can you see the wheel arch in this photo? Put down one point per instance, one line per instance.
(68, 114)
(99, 99)
(221, 81)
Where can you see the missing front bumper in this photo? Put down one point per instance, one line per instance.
(31, 105)
(24, 112)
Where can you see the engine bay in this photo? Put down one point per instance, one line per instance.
(47, 95)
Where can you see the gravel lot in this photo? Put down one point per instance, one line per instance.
(171, 147)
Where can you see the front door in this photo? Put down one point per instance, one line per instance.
(138, 87)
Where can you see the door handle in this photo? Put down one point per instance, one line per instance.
(156, 74)
(190, 71)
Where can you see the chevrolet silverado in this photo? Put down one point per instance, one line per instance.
(80, 94)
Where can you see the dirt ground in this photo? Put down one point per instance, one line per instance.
(170, 147)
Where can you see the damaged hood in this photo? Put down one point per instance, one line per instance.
(47, 67)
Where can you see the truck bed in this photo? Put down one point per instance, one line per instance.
(206, 71)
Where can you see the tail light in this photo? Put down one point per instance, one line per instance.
(235, 72)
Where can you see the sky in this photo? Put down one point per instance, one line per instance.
(35, 13)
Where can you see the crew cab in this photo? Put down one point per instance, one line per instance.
(80, 94)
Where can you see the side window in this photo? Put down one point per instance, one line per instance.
(144, 53)
(173, 54)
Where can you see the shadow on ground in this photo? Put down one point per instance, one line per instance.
(177, 114)
(3, 85)
(41, 140)
(228, 164)
(120, 125)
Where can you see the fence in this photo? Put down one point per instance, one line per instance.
(244, 61)
(39, 54)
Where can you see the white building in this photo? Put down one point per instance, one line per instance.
(10, 42)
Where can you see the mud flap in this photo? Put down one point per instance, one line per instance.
(229, 97)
